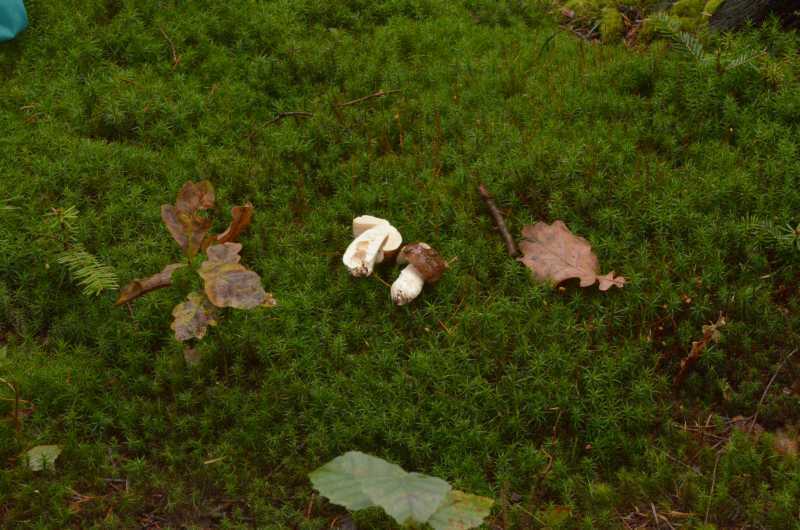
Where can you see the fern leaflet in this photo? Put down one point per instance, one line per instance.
(94, 276)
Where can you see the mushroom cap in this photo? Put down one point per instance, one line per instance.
(362, 223)
(365, 251)
(425, 259)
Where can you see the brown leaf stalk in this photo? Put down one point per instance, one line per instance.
(378, 94)
(500, 223)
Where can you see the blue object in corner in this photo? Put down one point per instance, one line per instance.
(13, 19)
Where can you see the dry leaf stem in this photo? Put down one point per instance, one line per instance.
(289, 114)
(766, 390)
(378, 94)
(499, 222)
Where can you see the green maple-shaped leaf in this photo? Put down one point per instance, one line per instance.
(412, 498)
(356, 481)
(340, 480)
(461, 511)
(42, 456)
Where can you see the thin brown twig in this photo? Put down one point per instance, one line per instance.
(499, 222)
(378, 94)
(554, 435)
(711, 493)
(766, 390)
(294, 114)
(547, 468)
(176, 58)
(684, 464)
(655, 516)
(384, 282)
(310, 506)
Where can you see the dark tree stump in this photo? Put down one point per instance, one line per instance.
(735, 13)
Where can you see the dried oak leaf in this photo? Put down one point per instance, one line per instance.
(187, 229)
(230, 284)
(194, 196)
(241, 216)
(224, 253)
(142, 286)
(192, 317)
(183, 221)
(555, 254)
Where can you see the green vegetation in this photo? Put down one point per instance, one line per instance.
(557, 403)
(359, 481)
(639, 20)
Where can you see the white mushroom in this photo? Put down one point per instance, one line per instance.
(424, 265)
(375, 239)
(362, 223)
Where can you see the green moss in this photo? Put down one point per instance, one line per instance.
(649, 29)
(685, 15)
(688, 8)
(612, 25)
(654, 26)
(585, 8)
(653, 158)
(712, 6)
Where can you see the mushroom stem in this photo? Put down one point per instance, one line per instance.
(407, 286)
(365, 251)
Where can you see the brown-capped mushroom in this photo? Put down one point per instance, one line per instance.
(374, 238)
(424, 265)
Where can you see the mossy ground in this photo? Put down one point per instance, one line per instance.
(553, 401)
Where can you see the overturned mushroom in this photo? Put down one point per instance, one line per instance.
(424, 265)
(374, 239)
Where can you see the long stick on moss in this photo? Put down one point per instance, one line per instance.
(499, 222)
(766, 390)
(296, 114)
(378, 94)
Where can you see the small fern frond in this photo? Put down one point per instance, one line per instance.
(745, 59)
(64, 218)
(94, 276)
(760, 227)
(790, 236)
(691, 45)
(665, 25)
(765, 232)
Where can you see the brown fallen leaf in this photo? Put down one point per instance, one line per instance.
(142, 286)
(241, 216)
(555, 254)
(194, 196)
(224, 253)
(711, 333)
(187, 227)
(192, 317)
(230, 284)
